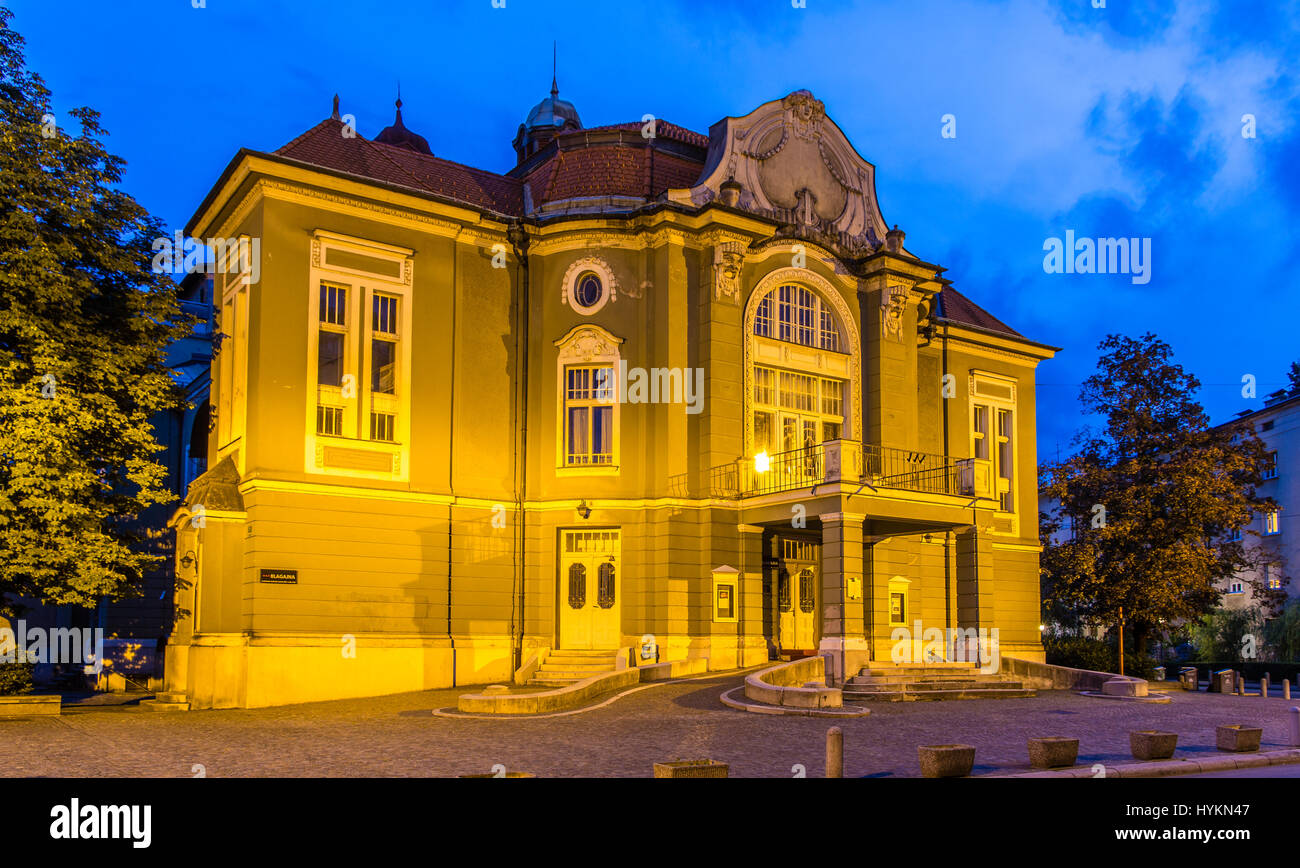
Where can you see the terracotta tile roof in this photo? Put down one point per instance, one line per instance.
(604, 169)
(610, 170)
(325, 145)
(663, 129)
(958, 308)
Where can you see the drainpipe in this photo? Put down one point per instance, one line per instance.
(451, 444)
(518, 237)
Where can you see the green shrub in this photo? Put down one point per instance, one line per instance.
(1081, 652)
(15, 678)
(1282, 634)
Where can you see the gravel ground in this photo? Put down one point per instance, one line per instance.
(398, 736)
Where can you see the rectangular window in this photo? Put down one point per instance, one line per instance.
(1270, 466)
(765, 386)
(832, 398)
(979, 433)
(1271, 523)
(330, 357)
(830, 335)
(763, 318)
(1236, 588)
(589, 416)
(785, 313)
(382, 426)
(329, 421)
(762, 431)
(1006, 460)
(358, 313)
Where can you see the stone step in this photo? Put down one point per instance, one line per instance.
(573, 674)
(911, 679)
(931, 687)
(557, 681)
(579, 652)
(883, 671)
(578, 662)
(159, 705)
(937, 695)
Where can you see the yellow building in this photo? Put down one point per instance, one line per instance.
(646, 385)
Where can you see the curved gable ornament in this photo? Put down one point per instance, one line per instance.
(827, 292)
(588, 343)
(794, 164)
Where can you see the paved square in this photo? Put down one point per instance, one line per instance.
(399, 736)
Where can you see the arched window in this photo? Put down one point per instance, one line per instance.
(796, 315)
(802, 365)
(793, 409)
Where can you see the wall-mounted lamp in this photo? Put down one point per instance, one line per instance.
(584, 510)
(762, 463)
(187, 560)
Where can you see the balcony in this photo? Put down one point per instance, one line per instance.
(846, 462)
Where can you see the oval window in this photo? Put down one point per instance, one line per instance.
(588, 290)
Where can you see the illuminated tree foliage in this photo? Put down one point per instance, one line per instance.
(1152, 500)
(84, 322)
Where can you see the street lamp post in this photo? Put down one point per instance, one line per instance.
(1121, 640)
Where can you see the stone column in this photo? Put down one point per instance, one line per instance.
(842, 631)
(975, 606)
(751, 602)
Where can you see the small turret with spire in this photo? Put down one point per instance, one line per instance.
(399, 136)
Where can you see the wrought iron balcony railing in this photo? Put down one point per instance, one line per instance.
(848, 462)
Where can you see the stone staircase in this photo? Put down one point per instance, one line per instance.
(562, 668)
(892, 682)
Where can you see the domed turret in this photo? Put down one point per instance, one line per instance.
(550, 116)
(400, 137)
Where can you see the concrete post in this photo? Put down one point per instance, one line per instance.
(835, 752)
(1286, 688)
(1263, 686)
(1239, 683)
(1295, 726)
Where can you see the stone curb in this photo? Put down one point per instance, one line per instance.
(760, 708)
(1165, 768)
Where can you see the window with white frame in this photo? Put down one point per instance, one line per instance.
(1272, 524)
(1236, 587)
(360, 357)
(358, 360)
(797, 315)
(587, 402)
(589, 395)
(232, 360)
(793, 410)
(1270, 466)
(993, 433)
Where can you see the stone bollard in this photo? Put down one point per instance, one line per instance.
(1286, 688)
(1239, 683)
(1294, 714)
(834, 752)
(1263, 685)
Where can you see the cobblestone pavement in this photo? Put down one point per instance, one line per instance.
(398, 736)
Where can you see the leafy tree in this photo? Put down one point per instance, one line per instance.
(1153, 500)
(84, 322)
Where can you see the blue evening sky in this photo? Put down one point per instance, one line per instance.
(1121, 121)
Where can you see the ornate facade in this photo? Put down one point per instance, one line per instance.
(647, 383)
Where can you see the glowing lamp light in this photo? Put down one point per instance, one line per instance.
(1040, 628)
(761, 462)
